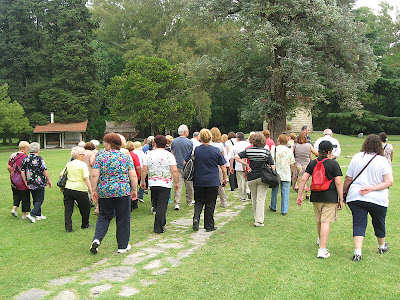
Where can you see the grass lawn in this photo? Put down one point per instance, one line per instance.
(239, 261)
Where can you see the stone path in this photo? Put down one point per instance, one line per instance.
(140, 267)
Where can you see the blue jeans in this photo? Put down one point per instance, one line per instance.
(38, 198)
(140, 193)
(285, 188)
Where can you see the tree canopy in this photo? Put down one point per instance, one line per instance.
(150, 91)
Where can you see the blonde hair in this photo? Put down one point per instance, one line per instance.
(130, 146)
(169, 139)
(216, 135)
(137, 145)
(266, 133)
(123, 140)
(76, 151)
(224, 138)
(205, 135)
(23, 145)
(283, 139)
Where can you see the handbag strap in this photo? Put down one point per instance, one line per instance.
(363, 169)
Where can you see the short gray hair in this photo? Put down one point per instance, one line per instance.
(34, 147)
(150, 139)
(76, 151)
(240, 136)
(328, 131)
(81, 144)
(182, 129)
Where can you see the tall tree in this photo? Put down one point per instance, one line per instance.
(150, 91)
(306, 48)
(48, 60)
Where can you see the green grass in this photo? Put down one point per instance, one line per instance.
(238, 262)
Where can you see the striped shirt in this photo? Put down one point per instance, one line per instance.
(257, 156)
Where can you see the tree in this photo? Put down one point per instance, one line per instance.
(12, 119)
(152, 92)
(306, 49)
(381, 102)
(47, 58)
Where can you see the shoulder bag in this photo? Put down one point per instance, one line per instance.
(62, 181)
(16, 177)
(188, 169)
(269, 176)
(346, 191)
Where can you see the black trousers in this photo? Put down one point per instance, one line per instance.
(82, 199)
(207, 197)
(159, 198)
(22, 196)
(120, 207)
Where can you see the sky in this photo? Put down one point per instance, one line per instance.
(374, 4)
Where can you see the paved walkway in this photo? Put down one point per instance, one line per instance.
(126, 274)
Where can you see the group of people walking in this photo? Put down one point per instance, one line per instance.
(110, 178)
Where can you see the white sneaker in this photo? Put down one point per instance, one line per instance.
(124, 250)
(258, 224)
(14, 213)
(41, 218)
(176, 207)
(94, 247)
(32, 219)
(23, 217)
(323, 253)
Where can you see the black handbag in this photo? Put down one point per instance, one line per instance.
(62, 181)
(269, 176)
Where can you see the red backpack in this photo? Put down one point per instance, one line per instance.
(319, 181)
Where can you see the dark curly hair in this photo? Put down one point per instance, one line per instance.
(372, 144)
(160, 141)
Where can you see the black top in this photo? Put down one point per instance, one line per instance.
(257, 156)
(332, 170)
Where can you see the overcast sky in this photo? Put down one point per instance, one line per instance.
(374, 4)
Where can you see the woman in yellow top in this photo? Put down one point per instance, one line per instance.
(76, 189)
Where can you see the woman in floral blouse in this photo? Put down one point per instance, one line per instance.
(114, 182)
(284, 161)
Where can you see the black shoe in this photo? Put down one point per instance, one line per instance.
(284, 214)
(212, 229)
(356, 257)
(384, 249)
(69, 230)
(270, 208)
(88, 226)
(196, 225)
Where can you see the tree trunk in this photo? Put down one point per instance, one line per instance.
(277, 122)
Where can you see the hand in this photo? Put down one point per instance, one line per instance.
(143, 185)
(224, 182)
(299, 200)
(231, 170)
(176, 186)
(365, 190)
(95, 197)
(133, 195)
(340, 204)
(49, 183)
(248, 169)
